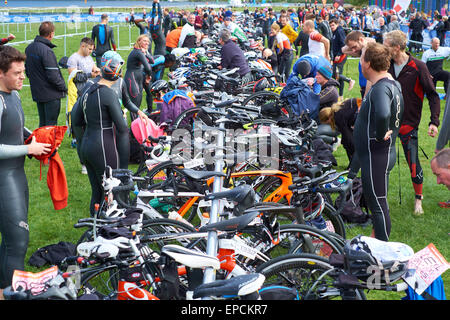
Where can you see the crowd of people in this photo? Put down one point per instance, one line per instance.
(311, 44)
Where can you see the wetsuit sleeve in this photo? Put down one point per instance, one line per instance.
(94, 33)
(354, 167)
(113, 42)
(145, 64)
(381, 99)
(11, 151)
(430, 90)
(444, 133)
(126, 101)
(122, 139)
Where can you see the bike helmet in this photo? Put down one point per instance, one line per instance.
(159, 86)
(261, 84)
(111, 65)
(239, 118)
(286, 136)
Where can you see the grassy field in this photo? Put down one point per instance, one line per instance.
(48, 226)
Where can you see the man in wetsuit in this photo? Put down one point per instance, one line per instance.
(103, 35)
(416, 82)
(375, 131)
(13, 182)
(46, 81)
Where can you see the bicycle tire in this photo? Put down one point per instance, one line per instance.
(261, 97)
(328, 213)
(189, 113)
(163, 225)
(100, 281)
(299, 271)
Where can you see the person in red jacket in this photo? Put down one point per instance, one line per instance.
(416, 82)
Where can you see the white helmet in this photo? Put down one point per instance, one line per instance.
(179, 52)
(287, 136)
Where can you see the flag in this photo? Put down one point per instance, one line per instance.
(401, 5)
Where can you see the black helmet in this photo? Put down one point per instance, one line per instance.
(158, 86)
(111, 65)
(303, 68)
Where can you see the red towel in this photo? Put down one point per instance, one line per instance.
(56, 175)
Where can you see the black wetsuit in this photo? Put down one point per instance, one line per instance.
(103, 35)
(105, 141)
(381, 110)
(156, 30)
(138, 67)
(13, 188)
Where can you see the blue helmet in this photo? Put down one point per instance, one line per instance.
(111, 65)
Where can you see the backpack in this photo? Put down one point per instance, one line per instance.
(355, 208)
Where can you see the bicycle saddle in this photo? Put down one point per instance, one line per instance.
(199, 175)
(234, 224)
(190, 258)
(236, 286)
(227, 102)
(236, 194)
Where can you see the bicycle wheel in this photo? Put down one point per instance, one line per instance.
(170, 226)
(333, 220)
(100, 281)
(186, 119)
(302, 272)
(265, 97)
(294, 271)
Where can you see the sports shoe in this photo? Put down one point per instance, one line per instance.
(83, 169)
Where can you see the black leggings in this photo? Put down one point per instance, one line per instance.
(375, 168)
(285, 64)
(410, 144)
(13, 224)
(49, 112)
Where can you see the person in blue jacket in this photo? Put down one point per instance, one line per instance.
(307, 66)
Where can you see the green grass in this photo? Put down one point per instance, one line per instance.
(48, 226)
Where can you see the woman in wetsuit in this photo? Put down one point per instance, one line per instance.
(13, 181)
(139, 70)
(375, 131)
(105, 141)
